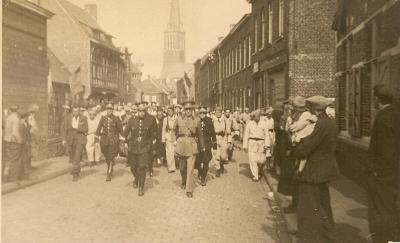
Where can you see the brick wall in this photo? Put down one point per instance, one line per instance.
(311, 47)
(25, 66)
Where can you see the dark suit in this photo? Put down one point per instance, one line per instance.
(109, 129)
(141, 134)
(383, 177)
(315, 220)
(160, 146)
(210, 142)
(76, 140)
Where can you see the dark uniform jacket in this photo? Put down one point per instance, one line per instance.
(210, 139)
(109, 129)
(319, 150)
(141, 134)
(78, 135)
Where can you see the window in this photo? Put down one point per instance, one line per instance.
(245, 52)
(281, 17)
(270, 23)
(249, 52)
(262, 28)
(255, 33)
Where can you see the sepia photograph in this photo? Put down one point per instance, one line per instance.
(200, 121)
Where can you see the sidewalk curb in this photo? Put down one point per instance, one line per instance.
(278, 203)
(27, 183)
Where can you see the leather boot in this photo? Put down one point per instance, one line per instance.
(140, 192)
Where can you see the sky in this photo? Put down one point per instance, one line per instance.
(140, 25)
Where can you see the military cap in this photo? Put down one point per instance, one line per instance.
(67, 107)
(82, 109)
(188, 104)
(319, 102)
(246, 109)
(142, 106)
(129, 104)
(109, 106)
(218, 109)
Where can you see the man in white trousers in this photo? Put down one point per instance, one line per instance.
(256, 141)
(169, 138)
(93, 146)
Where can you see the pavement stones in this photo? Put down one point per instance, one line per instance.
(229, 209)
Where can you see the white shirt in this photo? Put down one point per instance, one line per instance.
(75, 122)
(93, 124)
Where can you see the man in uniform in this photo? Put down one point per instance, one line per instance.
(141, 134)
(187, 130)
(110, 127)
(210, 142)
(74, 136)
(168, 138)
(222, 144)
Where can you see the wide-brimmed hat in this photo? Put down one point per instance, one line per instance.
(319, 102)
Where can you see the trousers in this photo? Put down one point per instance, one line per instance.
(139, 164)
(315, 219)
(75, 156)
(186, 167)
(203, 164)
(93, 149)
(14, 160)
(170, 152)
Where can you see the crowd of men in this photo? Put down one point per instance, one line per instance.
(295, 140)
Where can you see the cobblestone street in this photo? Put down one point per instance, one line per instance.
(228, 209)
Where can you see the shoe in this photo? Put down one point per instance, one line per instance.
(270, 196)
(290, 209)
(108, 177)
(183, 186)
(171, 171)
(255, 179)
(203, 183)
(189, 194)
(140, 193)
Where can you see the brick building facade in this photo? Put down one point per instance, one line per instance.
(368, 53)
(25, 66)
(281, 49)
(293, 49)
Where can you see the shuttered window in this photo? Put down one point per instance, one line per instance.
(354, 78)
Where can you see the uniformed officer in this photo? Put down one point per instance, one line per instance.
(210, 142)
(187, 131)
(222, 142)
(110, 127)
(141, 132)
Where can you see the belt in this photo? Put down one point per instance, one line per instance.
(257, 139)
(220, 134)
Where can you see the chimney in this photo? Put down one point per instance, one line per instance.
(92, 10)
(220, 38)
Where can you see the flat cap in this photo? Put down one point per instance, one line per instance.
(188, 104)
(319, 102)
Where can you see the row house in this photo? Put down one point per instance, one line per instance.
(283, 48)
(293, 50)
(76, 38)
(25, 66)
(368, 53)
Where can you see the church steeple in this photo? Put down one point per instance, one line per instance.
(175, 17)
(174, 45)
